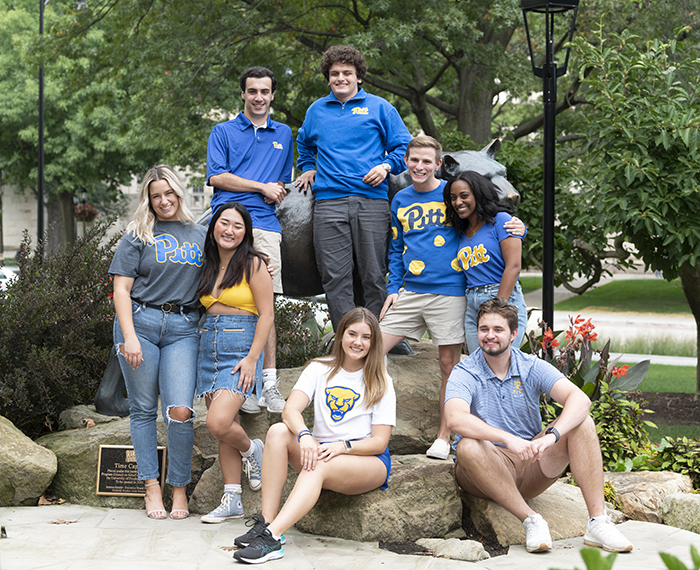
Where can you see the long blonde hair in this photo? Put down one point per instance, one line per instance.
(374, 371)
(145, 219)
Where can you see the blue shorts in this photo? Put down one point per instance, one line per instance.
(386, 460)
(224, 342)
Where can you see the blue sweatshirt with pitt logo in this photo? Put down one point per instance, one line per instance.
(422, 251)
(344, 141)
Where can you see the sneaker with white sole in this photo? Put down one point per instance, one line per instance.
(439, 450)
(230, 508)
(272, 399)
(252, 465)
(261, 549)
(537, 533)
(601, 532)
(250, 406)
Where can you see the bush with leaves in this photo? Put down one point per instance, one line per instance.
(680, 455)
(299, 336)
(55, 331)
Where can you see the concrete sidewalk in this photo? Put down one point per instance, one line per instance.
(72, 537)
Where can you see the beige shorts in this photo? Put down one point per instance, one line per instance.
(527, 475)
(414, 313)
(269, 244)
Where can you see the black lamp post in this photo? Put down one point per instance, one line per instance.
(549, 73)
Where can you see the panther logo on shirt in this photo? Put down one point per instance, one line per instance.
(168, 249)
(517, 388)
(340, 401)
(277, 145)
(360, 111)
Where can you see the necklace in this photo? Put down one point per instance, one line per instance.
(476, 229)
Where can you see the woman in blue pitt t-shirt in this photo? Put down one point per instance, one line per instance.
(156, 269)
(489, 255)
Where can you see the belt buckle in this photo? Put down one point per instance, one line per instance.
(169, 309)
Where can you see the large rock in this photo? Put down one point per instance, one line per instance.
(641, 493)
(422, 501)
(72, 418)
(682, 510)
(26, 469)
(562, 506)
(456, 549)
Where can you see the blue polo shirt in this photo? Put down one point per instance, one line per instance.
(511, 404)
(263, 156)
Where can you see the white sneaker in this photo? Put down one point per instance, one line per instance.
(250, 406)
(272, 399)
(537, 533)
(439, 450)
(601, 532)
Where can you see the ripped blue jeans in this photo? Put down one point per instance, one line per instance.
(169, 344)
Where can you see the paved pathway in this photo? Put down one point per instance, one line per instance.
(125, 539)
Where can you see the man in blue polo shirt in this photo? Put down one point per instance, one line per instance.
(503, 454)
(349, 143)
(249, 160)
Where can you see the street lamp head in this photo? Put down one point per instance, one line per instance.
(548, 5)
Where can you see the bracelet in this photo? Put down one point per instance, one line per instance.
(303, 433)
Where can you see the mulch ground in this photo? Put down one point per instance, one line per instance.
(671, 408)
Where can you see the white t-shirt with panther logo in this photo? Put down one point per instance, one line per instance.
(339, 413)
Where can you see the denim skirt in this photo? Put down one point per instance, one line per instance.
(224, 342)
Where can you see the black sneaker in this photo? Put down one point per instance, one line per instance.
(258, 525)
(261, 549)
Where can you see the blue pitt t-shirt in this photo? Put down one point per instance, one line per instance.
(422, 249)
(262, 154)
(511, 404)
(480, 256)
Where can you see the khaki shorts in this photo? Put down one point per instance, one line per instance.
(527, 475)
(414, 313)
(269, 244)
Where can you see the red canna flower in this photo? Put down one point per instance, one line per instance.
(620, 371)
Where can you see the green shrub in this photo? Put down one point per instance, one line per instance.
(299, 337)
(55, 331)
(621, 430)
(681, 455)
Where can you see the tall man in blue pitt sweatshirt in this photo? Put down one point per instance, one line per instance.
(349, 143)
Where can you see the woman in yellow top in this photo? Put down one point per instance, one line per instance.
(236, 290)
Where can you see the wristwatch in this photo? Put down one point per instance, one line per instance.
(348, 446)
(553, 430)
(386, 166)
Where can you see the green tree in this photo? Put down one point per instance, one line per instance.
(87, 143)
(642, 167)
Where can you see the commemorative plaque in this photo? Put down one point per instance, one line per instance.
(117, 474)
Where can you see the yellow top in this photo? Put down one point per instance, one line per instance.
(239, 296)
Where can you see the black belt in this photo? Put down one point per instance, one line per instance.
(170, 307)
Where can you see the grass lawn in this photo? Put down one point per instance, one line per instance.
(530, 284)
(631, 296)
(665, 378)
(655, 435)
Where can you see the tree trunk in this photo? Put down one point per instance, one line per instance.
(690, 279)
(61, 224)
(475, 103)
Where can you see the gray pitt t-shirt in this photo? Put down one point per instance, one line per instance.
(166, 271)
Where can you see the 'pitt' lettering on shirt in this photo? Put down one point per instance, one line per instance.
(471, 257)
(360, 111)
(277, 145)
(167, 249)
(420, 216)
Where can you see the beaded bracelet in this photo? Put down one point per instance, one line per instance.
(302, 433)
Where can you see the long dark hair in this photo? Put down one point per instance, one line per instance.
(488, 204)
(243, 261)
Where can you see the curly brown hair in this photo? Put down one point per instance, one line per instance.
(347, 54)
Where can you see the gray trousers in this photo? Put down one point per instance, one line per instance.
(352, 233)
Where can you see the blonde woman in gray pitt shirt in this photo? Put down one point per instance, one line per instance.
(156, 270)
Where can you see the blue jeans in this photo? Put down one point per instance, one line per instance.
(476, 296)
(169, 344)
